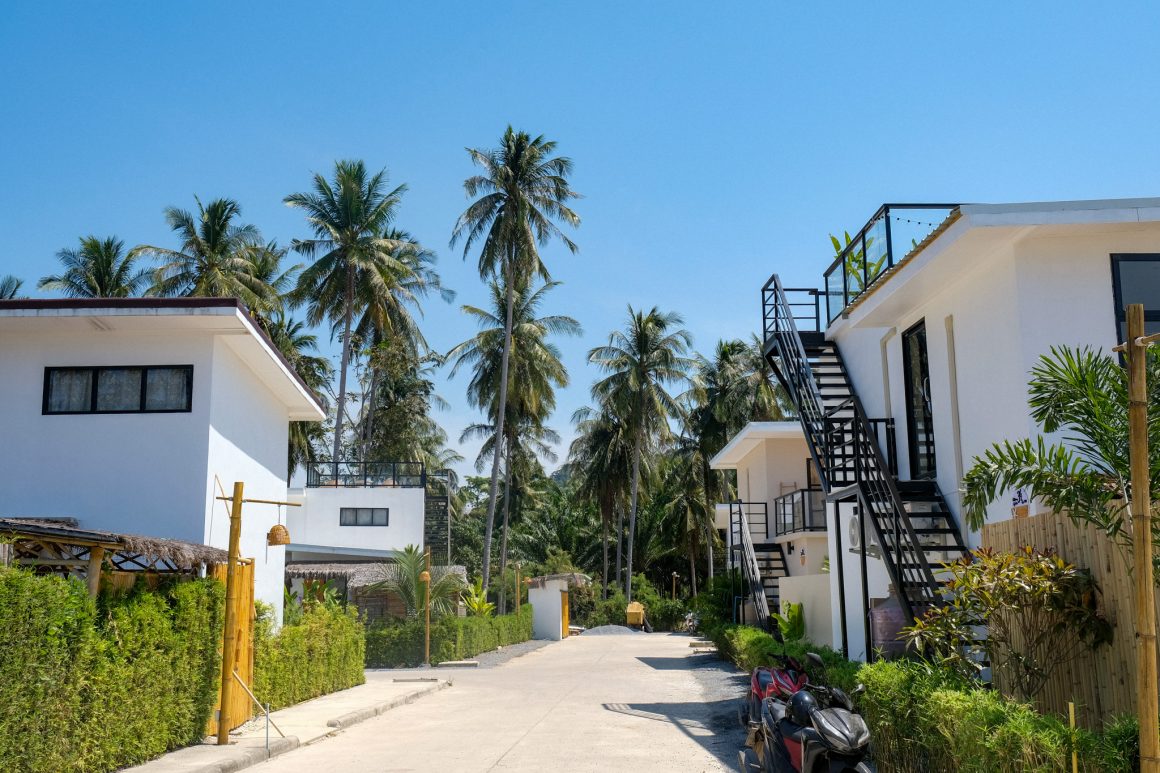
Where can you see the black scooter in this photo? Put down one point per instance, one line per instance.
(816, 730)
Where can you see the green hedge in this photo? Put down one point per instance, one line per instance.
(928, 720)
(400, 645)
(321, 654)
(90, 686)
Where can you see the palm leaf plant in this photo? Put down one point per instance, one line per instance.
(9, 287)
(522, 192)
(403, 577)
(642, 362)
(98, 268)
(475, 599)
(1079, 395)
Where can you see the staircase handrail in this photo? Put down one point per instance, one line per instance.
(749, 565)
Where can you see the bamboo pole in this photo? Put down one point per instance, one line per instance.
(229, 653)
(1146, 698)
(426, 578)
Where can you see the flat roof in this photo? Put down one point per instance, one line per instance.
(750, 436)
(215, 316)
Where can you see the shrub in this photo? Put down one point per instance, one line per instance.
(475, 599)
(322, 654)
(90, 686)
(792, 621)
(400, 645)
(1039, 610)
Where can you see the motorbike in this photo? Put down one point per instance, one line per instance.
(780, 683)
(815, 729)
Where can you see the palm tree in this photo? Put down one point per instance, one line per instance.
(522, 191)
(534, 371)
(1083, 394)
(351, 217)
(9, 286)
(600, 457)
(641, 361)
(215, 259)
(403, 578)
(296, 345)
(100, 268)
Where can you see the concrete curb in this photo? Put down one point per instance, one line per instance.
(249, 756)
(370, 712)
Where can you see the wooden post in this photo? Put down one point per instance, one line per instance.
(674, 586)
(96, 557)
(1146, 699)
(229, 639)
(518, 589)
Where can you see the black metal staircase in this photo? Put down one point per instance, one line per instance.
(913, 527)
(761, 561)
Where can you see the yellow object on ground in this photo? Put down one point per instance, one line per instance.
(635, 613)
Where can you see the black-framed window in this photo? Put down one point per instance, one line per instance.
(1136, 279)
(364, 516)
(118, 389)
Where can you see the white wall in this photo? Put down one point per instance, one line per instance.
(317, 521)
(877, 582)
(133, 473)
(248, 434)
(813, 593)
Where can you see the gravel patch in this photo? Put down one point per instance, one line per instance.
(723, 687)
(609, 630)
(504, 654)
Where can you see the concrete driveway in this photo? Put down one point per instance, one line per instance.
(634, 703)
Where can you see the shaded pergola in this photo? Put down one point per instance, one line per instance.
(59, 546)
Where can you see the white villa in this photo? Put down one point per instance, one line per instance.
(125, 414)
(912, 359)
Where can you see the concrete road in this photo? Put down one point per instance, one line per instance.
(589, 703)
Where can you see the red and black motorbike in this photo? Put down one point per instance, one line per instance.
(814, 729)
(778, 683)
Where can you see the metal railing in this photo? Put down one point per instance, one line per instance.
(845, 447)
(365, 474)
(871, 252)
(799, 511)
(743, 542)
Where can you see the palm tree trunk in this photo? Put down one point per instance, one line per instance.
(495, 459)
(507, 499)
(711, 511)
(632, 515)
(346, 323)
(619, 541)
(692, 574)
(604, 519)
(368, 421)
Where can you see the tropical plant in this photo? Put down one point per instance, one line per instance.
(1040, 613)
(358, 269)
(215, 258)
(641, 362)
(1082, 395)
(403, 577)
(523, 190)
(9, 286)
(475, 599)
(791, 623)
(600, 458)
(99, 268)
(859, 267)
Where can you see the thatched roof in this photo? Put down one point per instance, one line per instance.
(129, 551)
(360, 575)
(574, 580)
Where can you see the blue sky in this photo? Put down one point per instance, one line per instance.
(715, 143)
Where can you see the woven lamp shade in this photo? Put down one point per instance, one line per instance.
(278, 535)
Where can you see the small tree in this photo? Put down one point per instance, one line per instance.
(403, 578)
(1040, 612)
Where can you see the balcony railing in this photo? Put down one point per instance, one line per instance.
(798, 511)
(892, 233)
(365, 474)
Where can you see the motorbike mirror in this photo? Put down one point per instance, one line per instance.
(816, 659)
(859, 690)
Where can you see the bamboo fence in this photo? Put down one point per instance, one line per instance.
(1102, 682)
(241, 706)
